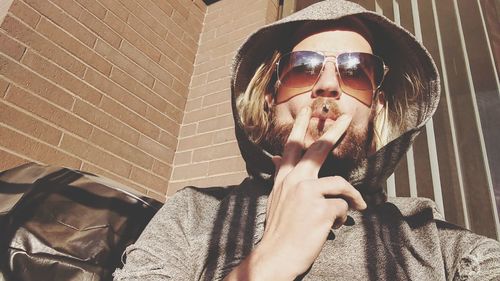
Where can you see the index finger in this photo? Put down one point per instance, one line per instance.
(292, 152)
(314, 157)
(294, 146)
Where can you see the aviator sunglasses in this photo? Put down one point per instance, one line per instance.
(360, 74)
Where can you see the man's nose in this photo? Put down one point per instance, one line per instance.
(328, 82)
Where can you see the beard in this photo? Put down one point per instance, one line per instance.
(347, 153)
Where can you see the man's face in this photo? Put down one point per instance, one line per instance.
(327, 100)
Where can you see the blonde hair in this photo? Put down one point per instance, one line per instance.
(252, 106)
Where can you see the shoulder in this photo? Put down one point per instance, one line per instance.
(466, 255)
(411, 206)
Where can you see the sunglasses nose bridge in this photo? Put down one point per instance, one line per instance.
(328, 83)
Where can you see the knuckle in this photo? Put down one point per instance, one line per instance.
(303, 188)
(342, 206)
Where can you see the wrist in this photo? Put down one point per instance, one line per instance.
(261, 264)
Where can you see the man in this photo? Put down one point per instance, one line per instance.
(326, 102)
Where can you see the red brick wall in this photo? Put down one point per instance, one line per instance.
(207, 153)
(98, 85)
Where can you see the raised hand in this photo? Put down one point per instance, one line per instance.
(302, 208)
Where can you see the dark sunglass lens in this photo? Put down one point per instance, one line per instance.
(360, 71)
(299, 69)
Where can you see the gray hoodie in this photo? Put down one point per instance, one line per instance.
(203, 233)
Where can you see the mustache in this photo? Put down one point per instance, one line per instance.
(325, 108)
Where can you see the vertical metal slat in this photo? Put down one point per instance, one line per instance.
(476, 113)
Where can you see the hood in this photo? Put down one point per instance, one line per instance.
(391, 42)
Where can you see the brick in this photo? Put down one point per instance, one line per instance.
(27, 79)
(200, 4)
(45, 47)
(94, 7)
(162, 15)
(224, 135)
(92, 154)
(193, 104)
(35, 150)
(156, 149)
(198, 80)
(174, 186)
(224, 108)
(145, 62)
(218, 73)
(24, 12)
(178, 45)
(225, 166)
(106, 122)
(211, 87)
(206, 67)
(163, 121)
(169, 95)
(175, 70)
(47, 111)
(197, 141)
(97, 26)
(16, 118)
(201, 114)
(173, 113)
(216, 151)
(115, 7)
(149, 179)
(216, 98)
(115, 57)
(150, 50)
(190, 171)
(113, 90)
(69, 7)
(178, 7)
(168, 139)
(144, 30)
(121, 148)
(157, 196)
(162, 169)
(189, 42)
(202, 56)
(10, 160)
(139, 90)
(59, 76)
(130, 118)
(171, 25)
(184, 23)
(4, 85)
(188, 130)
(114, 22)
(183, 63)
(91, 168)
(146, 17)
(164, 7)
(11, 47)
(63, 20)
(207, 36)
(182, 157)
(181, 89)
(220, 122)
(66, 41)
